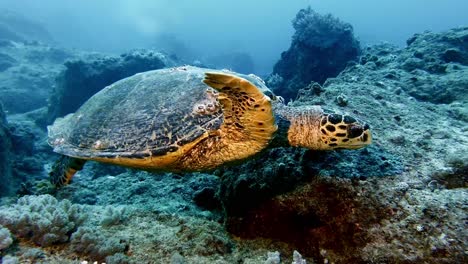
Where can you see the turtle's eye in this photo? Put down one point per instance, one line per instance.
(355, 131)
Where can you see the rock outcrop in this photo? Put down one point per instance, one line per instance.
(5, 155)
(27, 74)
(16, 27)
(400, 199)
(321, 48)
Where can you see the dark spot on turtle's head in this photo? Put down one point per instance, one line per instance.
(323, 131)
(332, 144)
(341, 134)
(349, 120)
(331, 128)
(345, 140)
(365, 137)
(355, 131)
(342, 127)
(333, 139)
(335, 118)
(324, 121)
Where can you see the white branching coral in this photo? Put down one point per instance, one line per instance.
(5, 238)
(43, 219)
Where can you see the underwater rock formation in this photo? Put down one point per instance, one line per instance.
(321, 47)
(45, 221)
(84, 77)
(436, 63)
(28, 72)
(6, 62)
(16, 27)
(30, 151)
(5, 155)
(419, 147)
(27, 65)
(5, 238)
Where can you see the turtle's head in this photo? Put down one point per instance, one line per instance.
(343, 132)
(312, 128)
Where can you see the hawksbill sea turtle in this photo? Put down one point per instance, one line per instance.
(191, 119)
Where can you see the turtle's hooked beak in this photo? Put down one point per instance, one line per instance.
(343, 132)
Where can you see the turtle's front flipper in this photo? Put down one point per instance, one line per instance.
(63, 170)
(248, 125)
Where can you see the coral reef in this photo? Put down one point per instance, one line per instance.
(321, 47)
(283, 169)
(112, 216)
(5, 155)
(29, 152)
(436, 64)
(5, 238)
(10, 260)
(28, 72)
(84, 77)
(16, 27)
(419, 150)
(273, 258)
(6, 62)
(43, 219)
(425, 226)
(91, 243)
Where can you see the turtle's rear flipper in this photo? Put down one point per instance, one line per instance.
(63, 170)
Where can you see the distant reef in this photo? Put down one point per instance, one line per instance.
(18, 28)
(5, 155)
(435, 63)
(320, 48)
(28, 72)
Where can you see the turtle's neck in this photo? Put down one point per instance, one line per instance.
(297, 126)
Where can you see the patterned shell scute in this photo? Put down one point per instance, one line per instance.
(148, 114)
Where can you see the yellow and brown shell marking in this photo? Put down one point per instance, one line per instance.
(248, 125)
